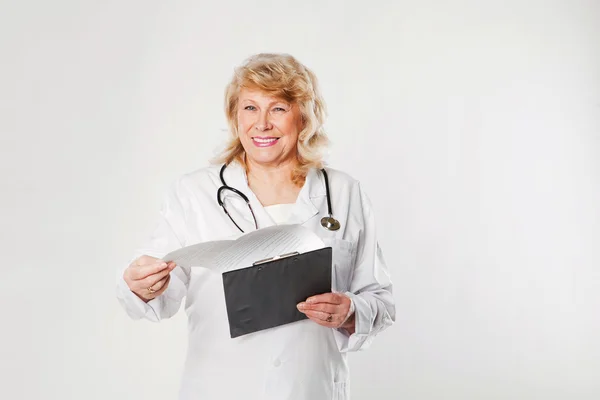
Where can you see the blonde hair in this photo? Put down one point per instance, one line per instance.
(284, 77)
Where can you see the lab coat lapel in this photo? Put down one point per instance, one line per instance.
(310, 198)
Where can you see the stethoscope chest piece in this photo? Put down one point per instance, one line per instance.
(330, 223)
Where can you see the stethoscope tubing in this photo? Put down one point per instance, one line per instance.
(329, 222)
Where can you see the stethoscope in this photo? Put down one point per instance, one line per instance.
(327, 222)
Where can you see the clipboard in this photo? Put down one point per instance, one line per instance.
(265, 294)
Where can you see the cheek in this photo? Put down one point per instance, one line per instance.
(292, 128)
(243, 123)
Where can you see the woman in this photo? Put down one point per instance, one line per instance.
(275, 113)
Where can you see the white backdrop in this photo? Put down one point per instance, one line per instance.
(473, 125)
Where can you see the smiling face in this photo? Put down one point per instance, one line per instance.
(268, 128)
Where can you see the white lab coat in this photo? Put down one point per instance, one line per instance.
(298, 361)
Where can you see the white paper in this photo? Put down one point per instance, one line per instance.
(227, 255)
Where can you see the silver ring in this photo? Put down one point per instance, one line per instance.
(151, 290)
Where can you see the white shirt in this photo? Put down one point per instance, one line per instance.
(280, 213)
(298, 361)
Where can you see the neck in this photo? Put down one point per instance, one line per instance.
(272, 184)
(276, 175)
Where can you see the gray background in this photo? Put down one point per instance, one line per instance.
(474, 126)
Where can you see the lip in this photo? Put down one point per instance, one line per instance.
(264, 141)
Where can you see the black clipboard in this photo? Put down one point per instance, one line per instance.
(265, 295)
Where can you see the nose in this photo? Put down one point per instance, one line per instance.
(263, 123)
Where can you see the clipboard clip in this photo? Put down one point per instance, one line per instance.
(266, 260)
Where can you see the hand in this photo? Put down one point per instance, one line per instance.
(148, 277)
(330, 310)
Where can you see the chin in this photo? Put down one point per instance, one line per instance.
(266, 157)
(262, 158)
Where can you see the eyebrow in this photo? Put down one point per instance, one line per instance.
(271, 103)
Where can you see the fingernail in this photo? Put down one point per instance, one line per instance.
(163, 264)
(301, 306)
(310, 300)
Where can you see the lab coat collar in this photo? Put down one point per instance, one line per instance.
(307, 205)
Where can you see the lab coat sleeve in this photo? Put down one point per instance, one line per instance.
(370, 288)
(167, 236)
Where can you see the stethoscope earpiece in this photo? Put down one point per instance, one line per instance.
(330, 223)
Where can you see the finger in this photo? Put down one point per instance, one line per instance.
(151, 280)
(320, 322)
(321, 318)
(164, 285)
(158, 285)
(145, 260)
(324, 307)
(144, 271)
(331, 298)
(320, 315)
(171, 265)
(157, 290)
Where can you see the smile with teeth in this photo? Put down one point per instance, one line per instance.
(261, 141)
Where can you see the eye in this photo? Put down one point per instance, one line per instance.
(279, 109)
(250, 108)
